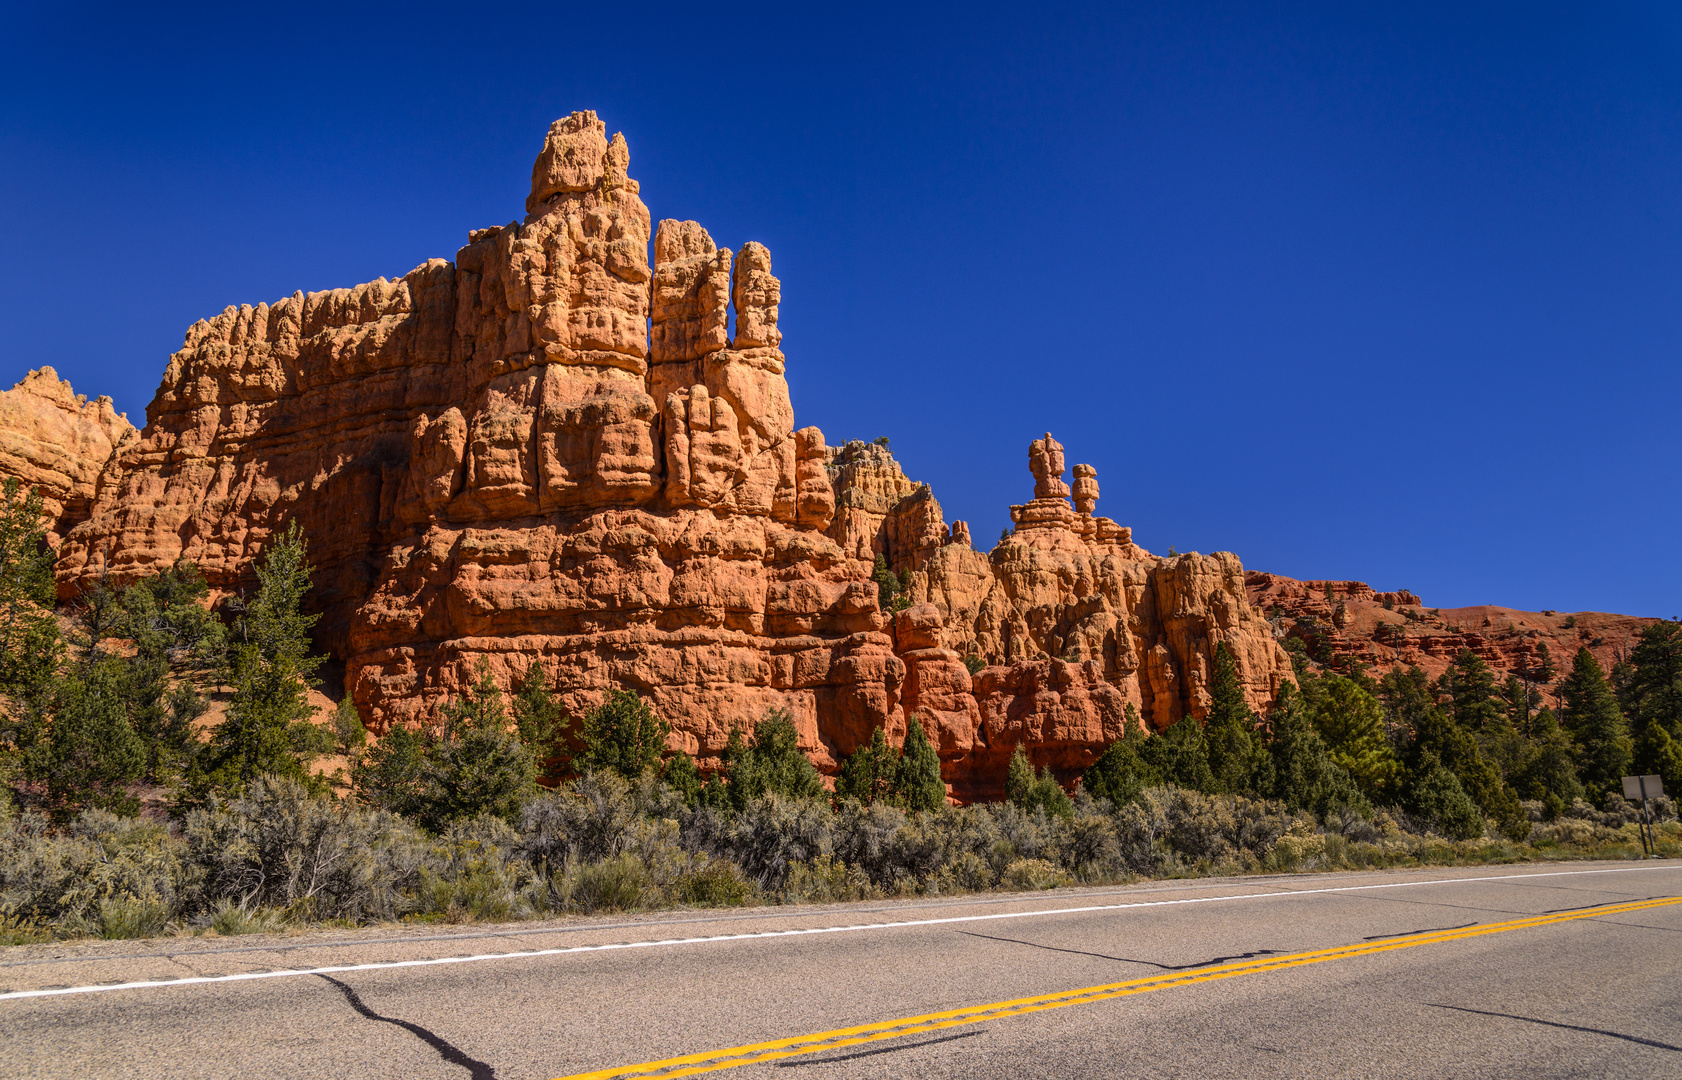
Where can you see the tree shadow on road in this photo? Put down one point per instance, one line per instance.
(476, 1068)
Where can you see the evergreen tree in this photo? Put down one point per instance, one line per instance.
(1654, 691)
(478, 765)
(1471, 689)
(1121, 773)
(1438, 739)
(469, 763)
(395, 775)
(30, 649)
(91, 754)
(867, 774)
(682, 776)
(772, 763)
(1548, 771)
(1232, 752)
(1032, 791)
(917, 782)
(1351, 721)
(1304, 774)
(622, 735)
(350, 737)
(542, 724)
(1180, 756)
(1436, 795)
(173, 633)
(1595, 722)
(267, 731)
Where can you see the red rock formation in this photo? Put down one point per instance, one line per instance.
(1074, 621)
(1347, 622)
(552, 450)
(57, 442)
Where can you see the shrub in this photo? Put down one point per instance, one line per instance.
(1028, 875)
(230, 920)
(277, 846)
(123, 917)
(715, 883)
(826, 879)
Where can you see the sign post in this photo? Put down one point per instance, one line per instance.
(1644, 788)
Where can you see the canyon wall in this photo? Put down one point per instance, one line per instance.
(555, 450)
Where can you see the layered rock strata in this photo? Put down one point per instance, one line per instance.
(554, 450)
(58, 442)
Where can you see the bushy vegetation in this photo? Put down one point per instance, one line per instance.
(128, 814)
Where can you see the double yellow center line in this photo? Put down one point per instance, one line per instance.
(758, 1053)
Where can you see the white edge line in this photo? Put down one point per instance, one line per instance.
(851, 928)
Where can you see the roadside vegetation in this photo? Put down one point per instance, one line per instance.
(124, 812)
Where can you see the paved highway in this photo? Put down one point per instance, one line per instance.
(1570, 970)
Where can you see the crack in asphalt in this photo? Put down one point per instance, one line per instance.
(1567, 1027)
(1124, 959)
(479, 1070)
(883, 1050)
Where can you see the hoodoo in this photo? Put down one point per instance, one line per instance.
(552, 450)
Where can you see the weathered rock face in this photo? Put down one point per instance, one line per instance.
(58, 442)
(553, 450)
(1348, 622)
(1073, 620)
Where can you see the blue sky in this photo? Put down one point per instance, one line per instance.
(1379, 291)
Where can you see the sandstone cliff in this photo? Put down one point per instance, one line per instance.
(555, 450)
(58, 442)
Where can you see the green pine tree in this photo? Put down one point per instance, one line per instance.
(1595, 722)
(623, 735)
(772, 763)
(682, 776)
(867, 774)
(396, 774)
(1471, 688)
(1121, 773)
(1654, 693)
(350, 736)
(1351, 721)
(542, 724)
(1549, 769)
(1035, 791)
(1438, 740)
(267, 731)
(1305, 774)
(1232, 751)
(917, 782)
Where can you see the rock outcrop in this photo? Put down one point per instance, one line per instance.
(1345, 623)
(554, 450)
(1072, 620)
(58, 442)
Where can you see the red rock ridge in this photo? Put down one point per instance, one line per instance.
(1348, 622)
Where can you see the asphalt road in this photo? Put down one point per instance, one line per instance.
(1533, 971)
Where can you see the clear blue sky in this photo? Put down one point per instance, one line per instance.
(1382, 291)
